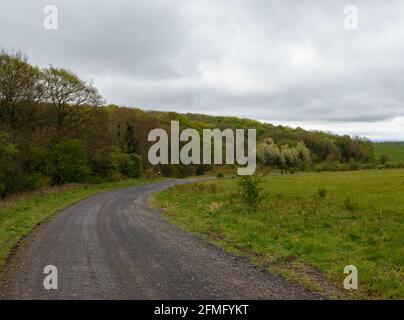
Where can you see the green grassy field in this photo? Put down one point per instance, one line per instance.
(394, 150)
(20, 214)
(301, 235)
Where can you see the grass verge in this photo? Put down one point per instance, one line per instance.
(20, 214)
(308, 228)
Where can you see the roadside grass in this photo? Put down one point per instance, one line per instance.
(308, 228)
(21, 213)
(394, 150)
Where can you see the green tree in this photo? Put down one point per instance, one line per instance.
(8, 168)
(131, 139)
(303, 153)
(289, 156)
(21, 86)
(66, 92)
(69, 160)
(132, 166)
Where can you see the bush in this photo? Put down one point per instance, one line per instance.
(178, 170)
(322, 193)
(220, 175)
(35, 181)
(37, 161)
(318, 167)
(103, 165)
(132, 166)
(354, 165)
(69, 162)
(10, 171)
(251, 191)
(115, 164)
(368, 166)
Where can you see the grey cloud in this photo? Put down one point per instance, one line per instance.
(287, 61)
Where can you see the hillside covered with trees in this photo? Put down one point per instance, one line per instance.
(55, 128)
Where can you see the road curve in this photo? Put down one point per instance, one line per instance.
(114, 246)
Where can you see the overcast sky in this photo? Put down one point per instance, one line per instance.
(285, 62)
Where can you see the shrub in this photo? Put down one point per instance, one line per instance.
(353, 165)
(220, 175)
(115, 164)
(104, 165)
(268, 153)
(132, 166)
(179, 170)
(35, 181)
(322, 193)
(69, 162)
(38, 161)
(318, 167)
(251, 191)
(10, 171)
(368, 166)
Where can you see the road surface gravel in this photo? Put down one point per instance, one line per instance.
(114, 246)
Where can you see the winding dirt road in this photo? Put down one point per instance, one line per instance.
(114, 246)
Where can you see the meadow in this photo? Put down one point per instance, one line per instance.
(308, 227)
(394, 151)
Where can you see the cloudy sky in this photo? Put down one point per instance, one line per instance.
(287, 62)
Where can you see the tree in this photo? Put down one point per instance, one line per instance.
(273, 155)
(131, 139)
(132, 166)
(69, 162)
(268, 152)
(21, 86)
(303, 153)
(67, 92)
(8, 155)
(356, 148)
(289, 156)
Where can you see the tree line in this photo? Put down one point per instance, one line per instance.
(56, 128)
